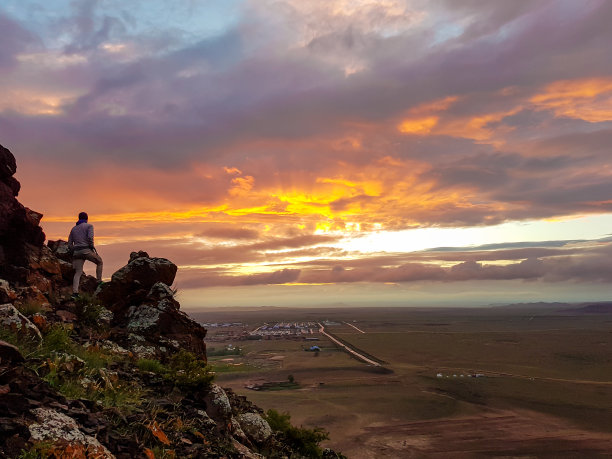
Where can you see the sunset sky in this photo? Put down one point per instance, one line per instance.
(291, 152)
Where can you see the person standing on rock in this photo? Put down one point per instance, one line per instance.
(81, 243)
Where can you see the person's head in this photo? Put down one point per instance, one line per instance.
(83, 216)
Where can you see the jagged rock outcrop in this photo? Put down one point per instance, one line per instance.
(20, 233)
(147, 319)
(93, 351)
(132, 283)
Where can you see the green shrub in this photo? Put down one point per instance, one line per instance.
(38, 450)
(187, 370)
(68, 388)
(153, 366)
(89, 311)
(57, 339)
(301, 440)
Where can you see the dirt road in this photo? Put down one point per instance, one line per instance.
(346, 348)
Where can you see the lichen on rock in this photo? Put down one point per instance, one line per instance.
(256, 427)
(218, 406)
(146, 317)
(57, 427)
(11, 318)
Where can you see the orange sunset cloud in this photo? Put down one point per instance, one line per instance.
(288, 142)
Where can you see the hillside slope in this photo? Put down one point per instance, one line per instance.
(118, 372)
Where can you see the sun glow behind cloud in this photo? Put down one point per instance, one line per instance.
(320, 143)
(593, 227)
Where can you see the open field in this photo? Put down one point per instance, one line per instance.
(546, 389)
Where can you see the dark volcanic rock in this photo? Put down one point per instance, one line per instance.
(146, 318)
(8, 165)
(160, 322)
(60, 250)
(139, 254)
(9, 353)
(131, 284)
(14, 185)
(19, 226)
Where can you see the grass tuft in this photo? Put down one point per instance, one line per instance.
(153, 366)
(29, 308)
(89, 310)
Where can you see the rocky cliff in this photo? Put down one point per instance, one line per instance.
(119, 372)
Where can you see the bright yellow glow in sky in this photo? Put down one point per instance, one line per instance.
(589, 227)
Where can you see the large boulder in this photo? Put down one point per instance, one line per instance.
(255, 427)
(132, 283)
(218, 406)
(159, 320)
(146, 316)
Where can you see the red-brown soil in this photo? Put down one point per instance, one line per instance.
(494, 433)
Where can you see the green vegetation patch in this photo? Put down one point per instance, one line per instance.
(212, 352)
(152, 366)
(189, 371)
(29, 308)
(184, 369)
(303, 441)
(91, 313)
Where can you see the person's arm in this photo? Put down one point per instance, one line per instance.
(90, 236)
(70, 240)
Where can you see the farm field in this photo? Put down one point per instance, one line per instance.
(544, 385)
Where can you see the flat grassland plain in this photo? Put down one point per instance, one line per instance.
(520, 381)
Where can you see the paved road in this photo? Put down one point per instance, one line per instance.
(346, 348)
(351, 325)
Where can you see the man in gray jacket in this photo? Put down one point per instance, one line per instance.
(81, 242)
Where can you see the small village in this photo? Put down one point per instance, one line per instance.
(284, 330)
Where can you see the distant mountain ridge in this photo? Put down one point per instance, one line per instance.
(592, 308)
(574, 308)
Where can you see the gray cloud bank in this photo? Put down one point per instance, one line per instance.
(261, 97)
